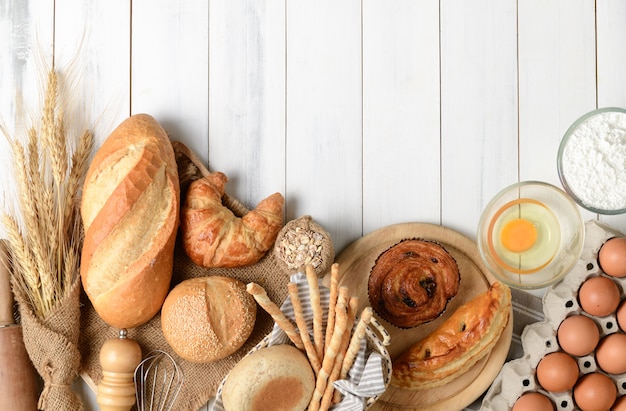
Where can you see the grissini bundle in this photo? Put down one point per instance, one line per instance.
(340, 341)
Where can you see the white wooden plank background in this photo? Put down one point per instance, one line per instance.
(479, 153)
(363, 113)
(401, 113)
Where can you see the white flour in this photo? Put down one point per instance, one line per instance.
(594, 161)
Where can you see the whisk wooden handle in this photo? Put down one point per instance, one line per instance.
(119, 357)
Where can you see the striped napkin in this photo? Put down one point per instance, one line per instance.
(365, 379)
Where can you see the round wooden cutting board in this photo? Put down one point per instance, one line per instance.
(355, 263)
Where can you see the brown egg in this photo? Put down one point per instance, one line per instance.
(578, 335)
(612, 257)
(621, 315)
(611, 353)
(599, 296)
(620, 404)
(595, 392)
(533, 401)
(557, 372)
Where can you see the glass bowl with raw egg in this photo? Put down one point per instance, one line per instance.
(530, 235)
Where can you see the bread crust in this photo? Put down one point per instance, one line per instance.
(205, 319)
(276, 378)
(130, 210)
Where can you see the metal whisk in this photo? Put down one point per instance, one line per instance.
(158, 380)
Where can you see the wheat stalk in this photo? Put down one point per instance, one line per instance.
(45, 250)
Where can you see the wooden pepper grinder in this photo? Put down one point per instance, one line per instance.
(18, 378)
(119, 358)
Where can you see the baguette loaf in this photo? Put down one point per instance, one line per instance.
(130, 212)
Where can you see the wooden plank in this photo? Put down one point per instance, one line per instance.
(92, 51)
(478, 107)
(27, 31)
(170, 68)
(557, 80)
(401, 117)
(92, 46)
(247, 96)
(324, 129)
(611, 54)
(611, 60)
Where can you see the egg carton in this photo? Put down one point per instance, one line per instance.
(560, 301)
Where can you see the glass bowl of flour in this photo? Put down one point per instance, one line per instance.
(591, 161)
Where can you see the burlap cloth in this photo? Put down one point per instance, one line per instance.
(201, 380)
(52, 345)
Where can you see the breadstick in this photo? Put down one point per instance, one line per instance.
(260, 295)
(352, 309)
(314, 290)
(355, 341)
(303, 328)
(329, 392)
(330, 395)
(341, 325)
(342, 295)
(334, 285)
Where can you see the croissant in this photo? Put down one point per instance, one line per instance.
(213, 236)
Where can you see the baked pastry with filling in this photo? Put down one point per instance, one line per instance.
(412, 282)
(457, 344)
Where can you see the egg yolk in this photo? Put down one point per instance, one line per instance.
(518, 235)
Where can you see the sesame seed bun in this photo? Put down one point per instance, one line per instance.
(206, 319)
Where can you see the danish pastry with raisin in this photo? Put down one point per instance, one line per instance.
(412, 282)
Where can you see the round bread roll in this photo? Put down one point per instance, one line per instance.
(205, 319)
(276, 378)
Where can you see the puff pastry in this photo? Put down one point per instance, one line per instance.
(213, 236)
(457, 344)
(412, 282)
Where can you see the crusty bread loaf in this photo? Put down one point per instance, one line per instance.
(275, 378)
(205, 319)
(130, 210)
